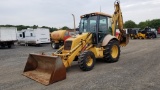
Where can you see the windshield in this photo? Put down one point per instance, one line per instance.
(88, 24)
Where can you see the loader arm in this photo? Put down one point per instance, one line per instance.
(70, 56)
(118, 18)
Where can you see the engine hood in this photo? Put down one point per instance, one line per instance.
(71, 42)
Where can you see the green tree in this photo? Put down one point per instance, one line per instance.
(45, 27)
(20, 27)
(35, 26)
(148, 23)
(52, 29)
(9, 25)
(142, 25)
(65, 28)
(130, 24)
(155, 23)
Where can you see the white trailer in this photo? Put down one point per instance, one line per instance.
(8, 36)
(33, 36)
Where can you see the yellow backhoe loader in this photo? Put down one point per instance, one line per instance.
(96, 40)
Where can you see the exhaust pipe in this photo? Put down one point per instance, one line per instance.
(74, 24)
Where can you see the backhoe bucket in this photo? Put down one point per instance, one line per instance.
(45, 69)
(124, 40)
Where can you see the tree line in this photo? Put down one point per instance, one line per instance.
(20, 27)
(155, 23)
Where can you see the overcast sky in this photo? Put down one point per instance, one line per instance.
(57, 13)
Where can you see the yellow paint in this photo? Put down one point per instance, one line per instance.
(141, 36)
(98, 52)
(89, 61)
(78, 43)
(114, 51)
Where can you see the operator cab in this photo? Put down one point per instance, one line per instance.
(99, 24)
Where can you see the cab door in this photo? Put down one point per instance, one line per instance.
(102, 28)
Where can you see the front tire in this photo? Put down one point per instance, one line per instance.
(86, 60)
(112, 51)
(153, 36)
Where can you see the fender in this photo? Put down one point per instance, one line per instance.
(107, 38)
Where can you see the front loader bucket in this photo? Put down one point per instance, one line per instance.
(45, 69)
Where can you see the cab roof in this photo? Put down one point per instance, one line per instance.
(97, 13)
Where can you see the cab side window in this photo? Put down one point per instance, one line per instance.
(103, 24)
(103, 28)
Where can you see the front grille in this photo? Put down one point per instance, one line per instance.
(67, 45)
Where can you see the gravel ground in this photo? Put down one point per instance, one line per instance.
(137, 69)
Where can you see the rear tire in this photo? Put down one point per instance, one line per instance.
(55, 45)
(112, 51)
(86, 60)
(9, 46)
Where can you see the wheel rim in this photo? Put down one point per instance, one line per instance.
(89, 61)
(53, 45)
(114, 51)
